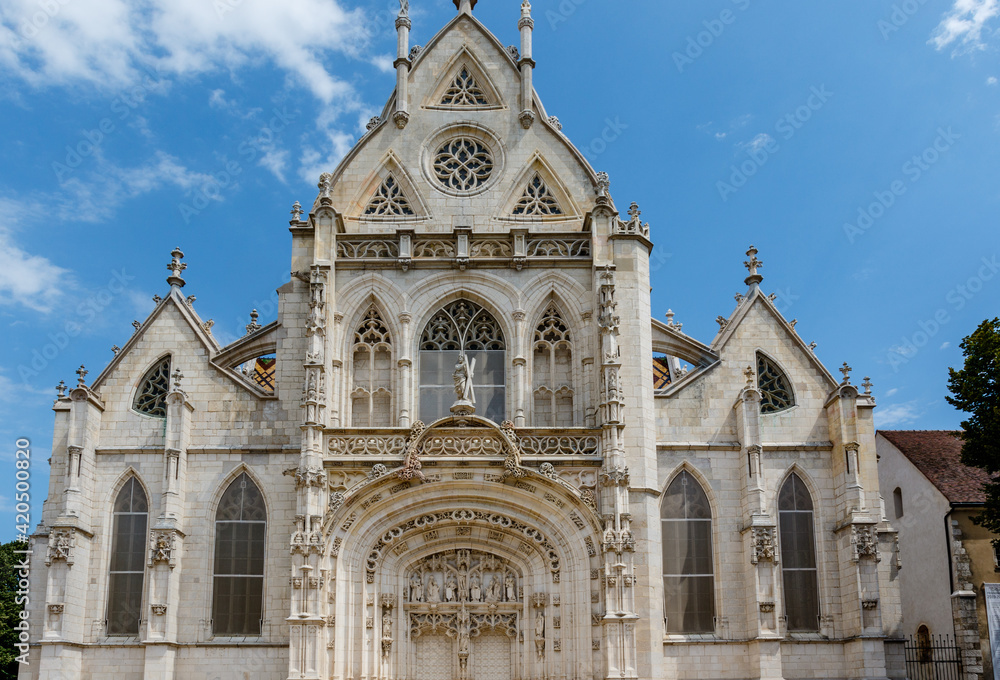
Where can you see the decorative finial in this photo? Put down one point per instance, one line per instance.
(190, 301)
(176, 267)
(554, 122)
(867, 384)
(372, 124)
(325, 185)
(61, 390)
(633, 211)
(752, 265)
(749, 373)
(82, 373)
(404, 8)
(846, 370)
(739, 297)
(670, 317)
(253, 326)
(297, 210)
(116, 349)
(813, 346)
(207, 326)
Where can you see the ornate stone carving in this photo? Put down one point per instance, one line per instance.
(512, 461)
(61, 543)
(869, 605)
(56, 609)
(551, 247)
(635, 226)
(615, 476)
(864, 538)
(378, 470)
(491, 248)
(548, 470)
(764, 545)
(366, 445)
(560, 445)
(464, 517)
(159, 609)
(766, 607)
(367, 249)
(411, 461)
(463, 576)
(161, 548)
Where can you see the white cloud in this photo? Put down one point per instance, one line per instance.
(275, 161)
(892, 392)
(965, 23)
(945, 345)
(26, 279)
(757, 143)
(384, 63)
(991, 80)
(897, 414)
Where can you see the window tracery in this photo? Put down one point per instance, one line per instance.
(775, 393)
(240, 524)
(463, 164)
(553, 371)
(798, 556)
(389, 200)
(371, 396)
(464, 91)
(537, 199)
(128, 552)
(688, 572)
(151, 398)
(462, 327)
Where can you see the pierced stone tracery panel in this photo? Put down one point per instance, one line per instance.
(553, 371)
(371, 395)
(463, 164)
(389, 199)
(464, 91)
(151, 398)
(537, 199)
(775, 394)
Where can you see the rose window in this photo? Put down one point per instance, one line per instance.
(463, 164)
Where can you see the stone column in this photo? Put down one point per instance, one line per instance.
(402, 115)
(522, 391)
(527, 65)
(405, 365)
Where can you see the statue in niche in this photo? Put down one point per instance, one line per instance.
(476, 591)
(416, 589)
(511, 588)
(449, 589)
(539, 626)
(433, 591)
(387, 625)
(495, 592)
(463, 632)
(463, 584)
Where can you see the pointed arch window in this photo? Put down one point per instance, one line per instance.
(389, 200)
(775, 390)
(151, 397)
(238, 593)
(537, 199)
(462, 327)
(464, 91)
(553, 372)
(798, 556)
(688, 569)
(128, 553)
(371, 394)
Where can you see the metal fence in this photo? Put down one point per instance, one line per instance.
(933, 658)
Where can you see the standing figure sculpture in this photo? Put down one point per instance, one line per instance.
(463, 375)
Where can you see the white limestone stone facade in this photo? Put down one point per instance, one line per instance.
(371, 497)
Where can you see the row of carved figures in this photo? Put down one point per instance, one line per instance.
(498, 590)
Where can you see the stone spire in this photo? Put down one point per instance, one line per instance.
(176, 267)
(752, 265)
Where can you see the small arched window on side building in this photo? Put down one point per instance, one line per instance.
(897, 502)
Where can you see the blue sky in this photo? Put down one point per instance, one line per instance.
(853, 143)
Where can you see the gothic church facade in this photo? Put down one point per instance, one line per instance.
(465, 450)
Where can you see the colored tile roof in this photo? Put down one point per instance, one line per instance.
(661, 373)
(937, 454)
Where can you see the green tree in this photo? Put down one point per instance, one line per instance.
(976, 391)
(10, 611)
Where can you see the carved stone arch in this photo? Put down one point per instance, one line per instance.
(120, 482)
(775, 372)
(538, 166)
(358, 293)
(229, 478)
(360, 311)
(805, 478)
(371, 377)
(479, 287)
(465, 59)
(703, 481)
(390, 165)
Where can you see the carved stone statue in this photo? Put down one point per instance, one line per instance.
(387, 625)
(463, 375)
(511, 588)
(416, 589)
(539, 626)
(449, 589)
(476, 591)
(495, 593)
(433, 591)
(463, 633)
(463, 584)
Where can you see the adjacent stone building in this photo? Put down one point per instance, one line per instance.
(464, 449)
(931, 499)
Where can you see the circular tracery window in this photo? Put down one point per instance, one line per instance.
(463, 164)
